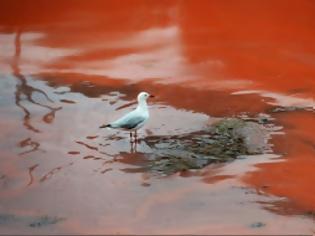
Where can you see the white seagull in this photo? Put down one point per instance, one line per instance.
(135, 119)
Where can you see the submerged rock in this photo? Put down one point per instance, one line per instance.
(221, 142)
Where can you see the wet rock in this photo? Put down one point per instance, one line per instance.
(253, 137)
(221, 142)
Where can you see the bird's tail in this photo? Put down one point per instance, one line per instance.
(105, 126)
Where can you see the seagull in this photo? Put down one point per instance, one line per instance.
(135, 119)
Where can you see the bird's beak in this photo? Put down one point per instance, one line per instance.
(151, 96)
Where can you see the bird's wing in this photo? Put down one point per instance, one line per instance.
(129, 121)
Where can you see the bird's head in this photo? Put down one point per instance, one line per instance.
(143, 96)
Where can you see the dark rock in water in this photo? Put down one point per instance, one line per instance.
(32, 221)
(257, 225)
(44, 221)
(222, 142)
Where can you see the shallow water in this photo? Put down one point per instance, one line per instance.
(69, 66)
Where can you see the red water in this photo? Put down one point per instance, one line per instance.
(68, 66)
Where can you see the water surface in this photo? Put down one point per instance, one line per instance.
(67, 67)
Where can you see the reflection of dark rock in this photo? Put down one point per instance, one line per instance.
(224, 141)
(32, 221)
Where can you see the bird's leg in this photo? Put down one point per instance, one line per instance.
(131, 137)
(136, 137)
(131, 148)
